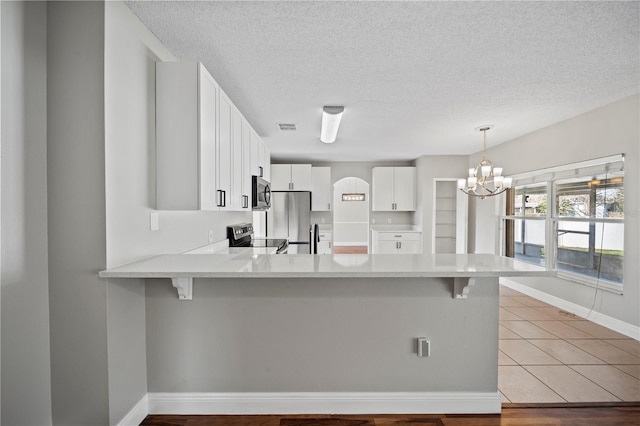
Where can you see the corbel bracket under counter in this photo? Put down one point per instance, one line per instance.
(184, 285)
(461, 287)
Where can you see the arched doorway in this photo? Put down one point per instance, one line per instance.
(351, 216)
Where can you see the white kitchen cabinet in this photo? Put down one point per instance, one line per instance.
(265, 160)
(240, 197)
(260, 157)
(291, 177)
(394, 189)
(321, 189)
(246, 165)
(396, 242)
(186, 134)
(280, 177)
(325, 243)
(224, 152)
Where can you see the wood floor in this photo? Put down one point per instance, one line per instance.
(349, 249)
(574, 416)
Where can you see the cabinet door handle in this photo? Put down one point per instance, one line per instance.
(328, 206)
(245, 201)
(399, 244)
(398, 236)
(224, 198)
(260, 171)
(219, 200)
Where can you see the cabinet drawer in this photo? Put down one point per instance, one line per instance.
(405, 236)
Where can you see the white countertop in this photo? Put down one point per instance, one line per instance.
(245, 265)
(396, 228)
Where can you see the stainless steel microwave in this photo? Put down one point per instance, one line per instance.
(260, 193)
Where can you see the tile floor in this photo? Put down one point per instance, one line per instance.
(550, 356)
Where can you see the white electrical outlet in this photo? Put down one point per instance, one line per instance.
(389, 220)
(210, 236)
(424, 347)
(154, 221)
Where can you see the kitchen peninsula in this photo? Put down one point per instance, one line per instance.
(323, 333)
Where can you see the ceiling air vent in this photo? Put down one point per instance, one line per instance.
(287, 127)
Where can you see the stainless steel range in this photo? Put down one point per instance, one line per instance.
(241, 235)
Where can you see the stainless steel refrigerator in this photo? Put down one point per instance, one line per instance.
(290, 217)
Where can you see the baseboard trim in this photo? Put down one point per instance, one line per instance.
(597, 317)
(137, 413)
(325, 403)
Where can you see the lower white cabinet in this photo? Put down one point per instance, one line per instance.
(389, 242)
(325, 245)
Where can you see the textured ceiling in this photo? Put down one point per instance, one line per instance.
(415, 78)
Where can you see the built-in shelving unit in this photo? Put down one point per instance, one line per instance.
(450, 218)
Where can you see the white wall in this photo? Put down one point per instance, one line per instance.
(606, 131)
(26, 382)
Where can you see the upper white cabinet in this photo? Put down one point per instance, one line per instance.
(265, 160)
(260, 157)
(205, 147)
(186, 113)
(291, 177)
(239, 198)
(321, 189)
(245, 184)
(224, 152)
(394, 189)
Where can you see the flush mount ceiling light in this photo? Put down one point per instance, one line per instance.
(331, 116)
(485, 180)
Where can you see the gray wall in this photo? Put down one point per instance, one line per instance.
(321, 335)
(26, 383)
(76, 201)
(610, 130)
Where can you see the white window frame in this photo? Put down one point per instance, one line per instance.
(550, 176)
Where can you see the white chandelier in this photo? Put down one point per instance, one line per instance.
(485, 180)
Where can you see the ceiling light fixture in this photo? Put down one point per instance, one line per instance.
(485, 180)
(331, 116)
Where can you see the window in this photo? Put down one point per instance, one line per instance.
(580, 232)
